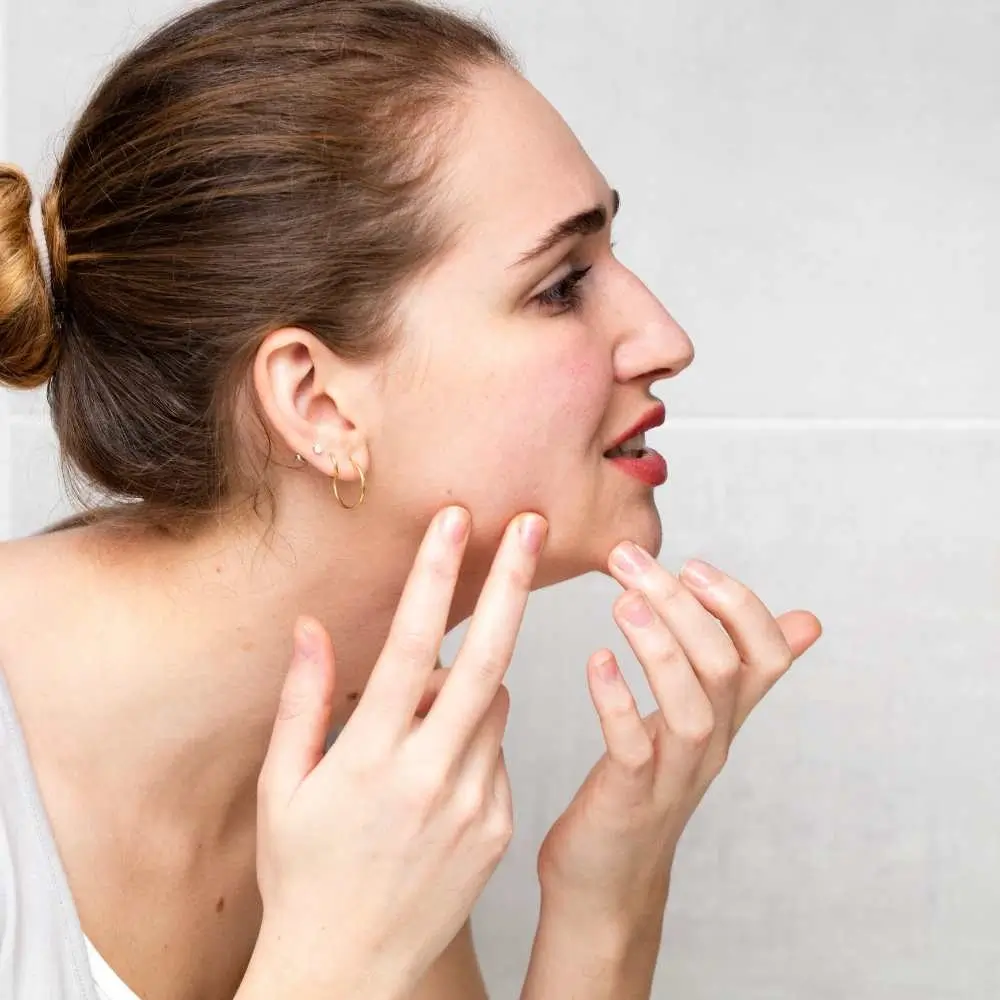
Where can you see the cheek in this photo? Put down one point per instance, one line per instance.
(546, 418)
(502, 438)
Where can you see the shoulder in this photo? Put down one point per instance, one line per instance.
(24, 575)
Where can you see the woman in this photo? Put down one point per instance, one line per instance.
(301, 245)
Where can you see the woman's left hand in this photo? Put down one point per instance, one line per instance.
(611, 852)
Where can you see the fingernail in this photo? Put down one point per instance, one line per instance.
(629, 558)
(607, 669)
(455, 525)
(637, 611)
(701, 574)
(532, 530)
(305, 641)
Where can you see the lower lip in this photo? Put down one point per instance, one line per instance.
(650, 469)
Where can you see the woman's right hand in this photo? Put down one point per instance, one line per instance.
(370, 856)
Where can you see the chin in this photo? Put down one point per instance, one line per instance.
(642, 526)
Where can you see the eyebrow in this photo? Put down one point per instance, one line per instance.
(593, 220)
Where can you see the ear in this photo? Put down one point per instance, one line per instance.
(313, 397)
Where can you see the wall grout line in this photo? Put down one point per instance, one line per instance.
(836, 423)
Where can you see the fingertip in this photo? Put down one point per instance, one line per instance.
(607, 669)
(456, 522)
(605, 666)
(305, 637)
(533, 529)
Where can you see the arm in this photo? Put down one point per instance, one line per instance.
(455, 974)
(575, 957)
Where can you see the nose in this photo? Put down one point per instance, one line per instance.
(649, 343)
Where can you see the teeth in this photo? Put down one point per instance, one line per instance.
(632, 446)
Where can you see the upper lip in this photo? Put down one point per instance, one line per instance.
(654, 418)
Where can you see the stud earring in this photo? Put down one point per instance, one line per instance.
(317, 449)
(298, 457)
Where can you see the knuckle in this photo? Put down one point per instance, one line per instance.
(697, 733)
(499, 828)
(637, 760)
(666, 649)
(469, 803)
(726, 669)
(423, 786)
(715, 762)
(671, 594)
(782, 662)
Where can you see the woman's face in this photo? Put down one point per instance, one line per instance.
(511, 383)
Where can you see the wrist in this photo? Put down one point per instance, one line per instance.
(610, 930)
(279, 972)
(591, 954)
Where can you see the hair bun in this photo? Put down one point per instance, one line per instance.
(28, 349)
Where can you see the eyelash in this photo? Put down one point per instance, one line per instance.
(565, 293)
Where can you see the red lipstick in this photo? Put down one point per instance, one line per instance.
(638, 461)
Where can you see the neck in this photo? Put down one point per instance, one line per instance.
(192, 645)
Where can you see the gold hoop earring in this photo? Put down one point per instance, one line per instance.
(336, 481)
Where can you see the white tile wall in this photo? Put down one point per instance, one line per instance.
(811, 189)
(849, 849)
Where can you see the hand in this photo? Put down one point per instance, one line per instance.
(612, 850)
(371, 855)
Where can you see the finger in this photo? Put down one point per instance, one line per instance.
(708, 648)
(434, 684)
(478, 670)
(480, 760)
(400, 675)
(630, 747)
(801, 630)
(685, 708)
(298, 739)
(764, 647)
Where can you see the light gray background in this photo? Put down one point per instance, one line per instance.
(811, 188)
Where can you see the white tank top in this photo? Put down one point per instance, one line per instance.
(43, 950)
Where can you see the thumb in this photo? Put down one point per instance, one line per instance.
(298, 739)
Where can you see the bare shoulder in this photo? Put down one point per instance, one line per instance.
(35, 575)
(456, 974)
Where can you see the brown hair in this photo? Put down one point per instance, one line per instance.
(254, 164)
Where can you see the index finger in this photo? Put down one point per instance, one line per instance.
(482, 661)
(410, 653)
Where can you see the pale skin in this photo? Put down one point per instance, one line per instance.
(495, 402)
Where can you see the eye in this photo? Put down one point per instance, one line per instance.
(564, 295)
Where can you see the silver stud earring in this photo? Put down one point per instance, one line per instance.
(317, 449)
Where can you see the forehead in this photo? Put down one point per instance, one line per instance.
(514, 167)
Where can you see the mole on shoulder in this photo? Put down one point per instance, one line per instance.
(353, 695)
(220, 905)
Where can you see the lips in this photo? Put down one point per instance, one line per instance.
(654, 418)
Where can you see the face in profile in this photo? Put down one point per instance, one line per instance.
(524, 360)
